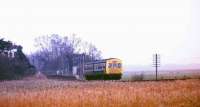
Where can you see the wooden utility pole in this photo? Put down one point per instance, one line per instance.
(83, 64)
(156, 63)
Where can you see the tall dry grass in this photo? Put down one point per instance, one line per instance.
(52, 93)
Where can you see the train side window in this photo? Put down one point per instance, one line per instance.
(88, 68)
(96, 67)
(109, 65)
(99, 67)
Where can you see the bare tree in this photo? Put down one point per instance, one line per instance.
(91, 52)
(94, 53)
(58, 53)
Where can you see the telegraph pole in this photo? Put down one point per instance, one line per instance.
(156, 63)
(83, 64)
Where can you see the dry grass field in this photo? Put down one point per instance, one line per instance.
(54, 93)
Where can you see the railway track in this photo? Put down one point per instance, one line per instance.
(61, 77)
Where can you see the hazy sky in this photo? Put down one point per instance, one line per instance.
(131, 30)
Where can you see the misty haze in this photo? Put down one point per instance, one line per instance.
(94, 53)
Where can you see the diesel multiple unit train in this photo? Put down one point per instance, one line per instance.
(107, 69)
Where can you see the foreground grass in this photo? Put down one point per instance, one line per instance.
(52, 93)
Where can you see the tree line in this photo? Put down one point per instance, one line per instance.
(13, 62)
(54, 53)
(60, 53)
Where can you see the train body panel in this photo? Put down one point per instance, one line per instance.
(103, 69)
(113, 66)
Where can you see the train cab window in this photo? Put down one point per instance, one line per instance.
(119, 65)
(114, 65)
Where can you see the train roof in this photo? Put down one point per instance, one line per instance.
(112, 58)
(100, 61)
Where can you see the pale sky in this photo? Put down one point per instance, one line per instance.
(131, 30)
